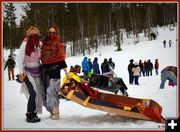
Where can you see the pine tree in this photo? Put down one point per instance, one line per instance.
(10, 25)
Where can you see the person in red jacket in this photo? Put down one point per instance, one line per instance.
(156, 66)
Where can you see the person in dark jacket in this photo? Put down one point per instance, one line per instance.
(141, 65)
(164, 43)
(168, 73)
(85, 67)
(111, 63)
(130, 66)
(105, 66)
(156, 66)
(96, 66)
(170, 43)
(149, 67)
(146, 68)
(10, 63)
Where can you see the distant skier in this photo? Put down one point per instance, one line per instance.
(168, 73)
(170, 43)
(164, 43)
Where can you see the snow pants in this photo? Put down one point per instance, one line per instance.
(167, 75)
(130, 78)
(136, 80)
(52, 90)
(10, 72)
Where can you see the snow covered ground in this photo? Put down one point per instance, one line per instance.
(74, 116)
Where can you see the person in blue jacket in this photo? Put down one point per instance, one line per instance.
(85, 67)
(96, 66)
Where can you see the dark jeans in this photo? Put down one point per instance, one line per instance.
(130, 78)
(31, 105)
(136, 78)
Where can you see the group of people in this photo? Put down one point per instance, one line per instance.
(88, 67)
(135, 70)
(40, 63)
(147, 67)
(169, 42)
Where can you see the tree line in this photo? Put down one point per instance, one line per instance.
(87, 25)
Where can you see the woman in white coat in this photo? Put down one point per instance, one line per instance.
(29, 74)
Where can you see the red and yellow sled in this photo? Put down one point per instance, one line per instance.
(86, 96)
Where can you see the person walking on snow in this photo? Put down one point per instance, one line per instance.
(53, 61)
(164, 43)
(170, 43)
(10, 63)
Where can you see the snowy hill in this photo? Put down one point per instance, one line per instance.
(74, 116)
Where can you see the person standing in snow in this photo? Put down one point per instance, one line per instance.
(10, 63)
(149, 67)
(141, 65)
(29, 74)
(168, 73)
(85, 67)
(111, 63)
(105, 67)
(130, 66)
(156, 66)
(91, 67)
(136, 73)
(53, 61)
(96, 66)
(170, 43)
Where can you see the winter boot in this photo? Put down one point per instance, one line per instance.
(55, 113)
(32, 117)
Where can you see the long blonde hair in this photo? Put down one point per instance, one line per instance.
(32, 28)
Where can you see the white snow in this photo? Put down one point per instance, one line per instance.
(74, 116)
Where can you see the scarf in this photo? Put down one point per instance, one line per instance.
(33, 41)
(52, 50)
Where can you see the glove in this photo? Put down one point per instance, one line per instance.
(20, 78)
